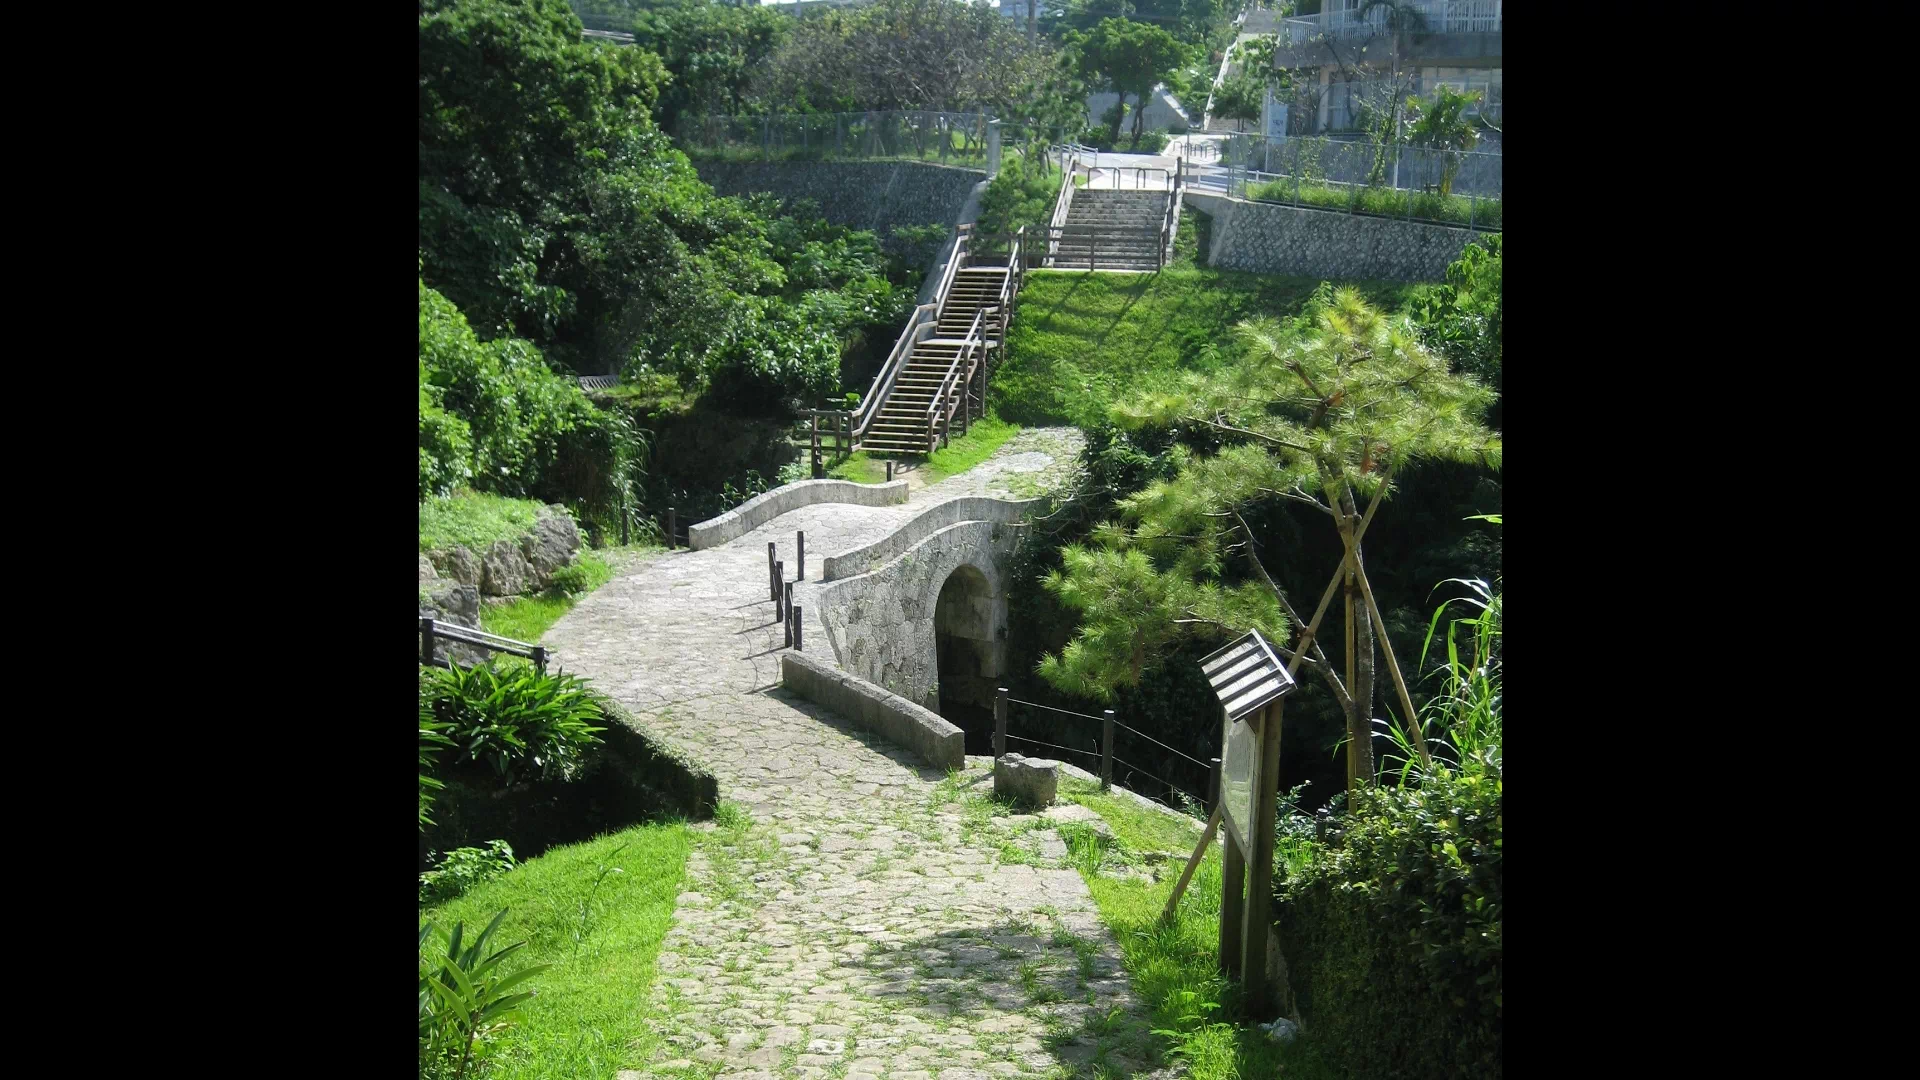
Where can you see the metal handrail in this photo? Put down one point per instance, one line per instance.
(926, 315)
(946, 385)
(961, 250)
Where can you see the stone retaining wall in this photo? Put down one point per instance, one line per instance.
(939, 743)
(1272, 239)
(937, 517)
(764, 507)
(876, 195)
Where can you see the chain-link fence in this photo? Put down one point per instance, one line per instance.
(1410, 182)
(945, 137)
(1348, 105)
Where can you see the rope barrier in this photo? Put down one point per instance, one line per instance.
(1053, 746)
(1163, 780)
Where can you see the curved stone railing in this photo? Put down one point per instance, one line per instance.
(936, 517)
(763, 508)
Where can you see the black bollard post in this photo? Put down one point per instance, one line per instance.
(999, 723)
(1106, 750)
(800, 559)
(796, 630)
(780, 590)
(773, 583)
(673, 529)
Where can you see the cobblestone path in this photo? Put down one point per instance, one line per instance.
(863, 924)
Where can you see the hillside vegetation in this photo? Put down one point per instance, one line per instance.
(1081, 341)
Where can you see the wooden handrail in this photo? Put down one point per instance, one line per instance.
(960, 252)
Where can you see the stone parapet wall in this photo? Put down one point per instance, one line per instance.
(939, 516)
(887, 714)
(876, 195)
(764, 507)
(880, 625)
(1272, 239)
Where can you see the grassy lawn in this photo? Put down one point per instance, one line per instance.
(526, 618)
(473, 520)
(592, 1013)
(1082, 340)
(983, 437)
(1173, 967)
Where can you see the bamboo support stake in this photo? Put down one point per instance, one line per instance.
(1193, 863)
(1414, 727)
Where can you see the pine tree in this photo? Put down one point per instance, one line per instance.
(1320, 409)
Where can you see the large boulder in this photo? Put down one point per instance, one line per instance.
(427, 573)
(549, 546)
(457, 564)
(1031, 781)
(504, 571)
(460, 605)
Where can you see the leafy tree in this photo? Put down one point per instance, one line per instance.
(911, 54)
(1321, 410)
(1240, 97)
(713, 52)
(1443, 125)
(1129, 57)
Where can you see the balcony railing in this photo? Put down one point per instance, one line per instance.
(1436, 17)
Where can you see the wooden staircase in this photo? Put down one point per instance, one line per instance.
(950, 361)
(936, 377)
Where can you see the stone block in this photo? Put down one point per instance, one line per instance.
(457, 564)
(1031, 781)
(504, 571)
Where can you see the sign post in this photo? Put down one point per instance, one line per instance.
(1250, 681)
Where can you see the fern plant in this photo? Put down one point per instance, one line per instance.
(464, 996)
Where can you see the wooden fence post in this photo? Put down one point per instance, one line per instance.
(673, 529)
(1213, 785)
(1106, 749)
(999, 723)
(800, 559)
(539, 658)
(797, 624)
(773, 580)
(625, 513)
(786, 622)
(426, 641)
(889, 472)
(780, 590)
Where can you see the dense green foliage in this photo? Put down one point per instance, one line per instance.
(522, 429)
(1393, 931)
(512, 722)
(463, 868)
(1463, 317)
(1081, 341)
(712, 52)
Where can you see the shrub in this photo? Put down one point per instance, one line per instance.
(463, 996)
(433, 739)
(1462, 319)
(1392, 930)
(1022, 194)
(517, 722)
(463, 868)
(573, 578)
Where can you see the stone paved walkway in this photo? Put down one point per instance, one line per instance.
(863, 926)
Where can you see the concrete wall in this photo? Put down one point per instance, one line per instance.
(880, 625)
(764, 507)
(937, 517)
(877, 195)
(1274, 239)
